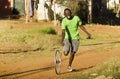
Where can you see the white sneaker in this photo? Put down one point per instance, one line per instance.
(70, 68)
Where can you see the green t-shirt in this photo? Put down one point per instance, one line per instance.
(71, 27)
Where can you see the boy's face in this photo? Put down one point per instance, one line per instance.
(67, 14)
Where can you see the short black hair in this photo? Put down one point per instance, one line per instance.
(67, 9)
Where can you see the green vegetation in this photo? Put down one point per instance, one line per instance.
(110, 68)
(35, 20)
(48, 30)
(36, 38)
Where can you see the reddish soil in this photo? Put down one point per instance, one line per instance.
(30, 66)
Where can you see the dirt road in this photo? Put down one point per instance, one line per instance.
(29, 65)
(43, 67)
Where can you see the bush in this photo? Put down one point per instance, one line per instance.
(49, 30)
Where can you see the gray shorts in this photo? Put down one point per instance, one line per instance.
(71, 45)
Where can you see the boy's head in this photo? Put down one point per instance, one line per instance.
(67, 13)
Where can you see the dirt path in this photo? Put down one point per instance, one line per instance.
(32, 66)
(42, 67)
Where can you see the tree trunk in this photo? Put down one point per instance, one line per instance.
(89, 11)
(26, 10)
(55, 19)
(118, 12)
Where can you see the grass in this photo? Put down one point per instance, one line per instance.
(45, 38)
(48, 30)
(48, 37)
(82, 76)
(110, 68)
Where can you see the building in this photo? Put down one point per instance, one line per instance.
(44, 12)
(5, 7)
(10, 7)
(112, 4)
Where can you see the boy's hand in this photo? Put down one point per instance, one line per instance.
(89, 36)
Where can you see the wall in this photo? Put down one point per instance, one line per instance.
(111, 4)
(5, 7)
(42, 12)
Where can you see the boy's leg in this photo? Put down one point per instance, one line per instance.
(70, 62)
(74, 45)
(72, 55)
(66, 47)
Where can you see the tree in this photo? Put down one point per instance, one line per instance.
(118, 12)
(26, 10)
(81, 8)
(89, 11)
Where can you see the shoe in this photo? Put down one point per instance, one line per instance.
(70, 68)
(66, 53)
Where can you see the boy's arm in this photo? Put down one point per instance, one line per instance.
(84, 29)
